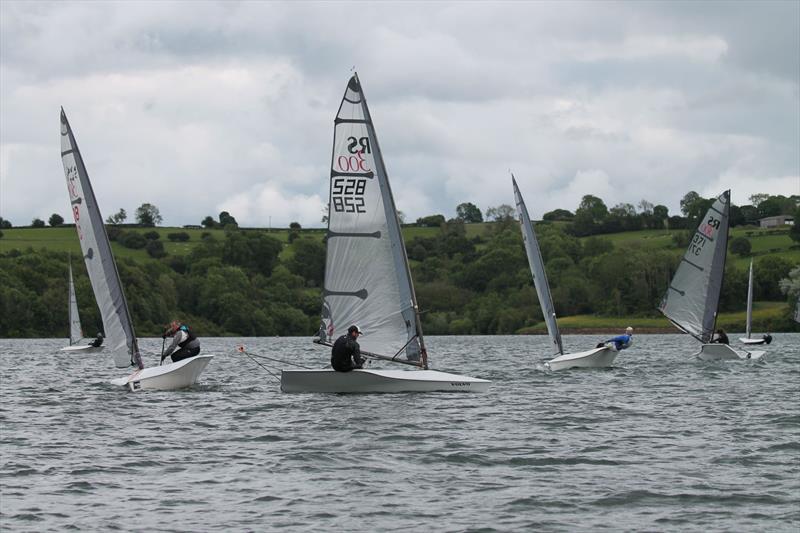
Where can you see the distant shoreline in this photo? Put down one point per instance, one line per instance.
(598, 330)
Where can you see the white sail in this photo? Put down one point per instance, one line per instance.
(75, 331)
(367, 279)
(537, 271)
(120, 339)
(750, 300)
(692, 298)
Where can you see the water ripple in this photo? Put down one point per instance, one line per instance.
(658, 442)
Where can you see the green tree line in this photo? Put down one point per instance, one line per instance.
(250, 283)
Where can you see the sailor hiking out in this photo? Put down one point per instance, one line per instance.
(620, 342)
(346, 353)
(185, 343)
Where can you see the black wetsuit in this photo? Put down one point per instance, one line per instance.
(721, 338)
(189, 347)
(97, 342)
(346, 354)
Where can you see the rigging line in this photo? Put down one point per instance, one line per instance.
(278, 360)
(241, 349)
(262, 366)
(370, 355)
(404, 346)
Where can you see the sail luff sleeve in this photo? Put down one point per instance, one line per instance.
(538, 272)
(97, 255)
(720, 210)
(415, 349)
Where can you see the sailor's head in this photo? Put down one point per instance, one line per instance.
(99, 335)
(353, 331)
(629, 330)
(172, 328)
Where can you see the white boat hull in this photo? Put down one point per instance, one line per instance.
(81, 348)
(594, 358)
(170, 376)
(367, 381)
(723, 352)
(764, 339)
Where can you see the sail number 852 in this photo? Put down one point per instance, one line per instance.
(347, 195)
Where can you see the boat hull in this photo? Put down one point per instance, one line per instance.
(170, 376)
(370, 381)
(594, 358)
(723, 352)
(81, 348)
(764, 339)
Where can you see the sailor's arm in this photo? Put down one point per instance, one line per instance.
(179, 337)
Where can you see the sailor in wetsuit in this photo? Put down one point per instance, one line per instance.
(98, 341)
(346, 353)
(184, 343)
(620, 342)
(720, 337)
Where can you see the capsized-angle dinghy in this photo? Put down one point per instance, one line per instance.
(170, 376)
(120, 339)
(601, 357)
(723, 352)
(692, 299)
(367, 278)
(748, 339)
(77, 342)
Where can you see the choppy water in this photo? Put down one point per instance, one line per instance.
(660, 442)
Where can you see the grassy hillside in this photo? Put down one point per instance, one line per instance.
(765, 314)
(65, 239)
(469, 280)
(763, 241)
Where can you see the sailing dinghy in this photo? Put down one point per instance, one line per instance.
(692, 299)
(77, 342)
(120, 339)
(367, 278)
(594, 358)
(748, 339)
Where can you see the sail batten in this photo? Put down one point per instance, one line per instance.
(692, 298)
(538, 272)
(120, 338)
(367, 279)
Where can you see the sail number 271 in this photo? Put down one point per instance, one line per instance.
(347, 195)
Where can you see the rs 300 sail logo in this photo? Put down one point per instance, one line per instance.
(347, 194)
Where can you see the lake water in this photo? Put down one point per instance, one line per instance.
(660, 442)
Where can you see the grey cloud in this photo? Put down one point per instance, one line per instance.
(209, 100)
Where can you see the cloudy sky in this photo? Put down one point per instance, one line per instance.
(199, 107)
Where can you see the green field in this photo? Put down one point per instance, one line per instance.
(764, 315)
(65, 239)
(763, 241)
